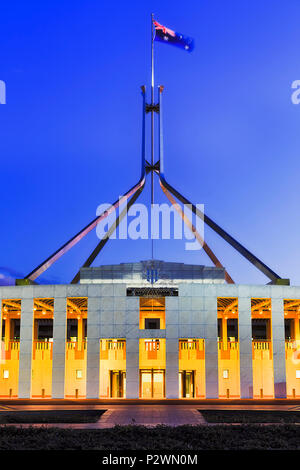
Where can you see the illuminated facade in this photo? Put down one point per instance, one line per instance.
(116, 335)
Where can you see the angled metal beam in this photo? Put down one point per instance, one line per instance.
(80, 235)
(107, 236)
(120, 217)
(228, 238)
(201, 241)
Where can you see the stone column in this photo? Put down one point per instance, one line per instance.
(245, 347)
(172, 347)
(278, 342)
(93, 347)
(26, 337)
(59, 347)
(210, 319)
(132, 347)
(172, 370)
(132, 368)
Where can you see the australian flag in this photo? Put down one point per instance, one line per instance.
(169, 36)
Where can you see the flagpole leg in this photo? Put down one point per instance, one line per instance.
(152, 58)
(152, 117)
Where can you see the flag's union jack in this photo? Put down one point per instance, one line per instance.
(160, 27)
(167, 35)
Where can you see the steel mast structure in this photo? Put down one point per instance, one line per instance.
(153, 167)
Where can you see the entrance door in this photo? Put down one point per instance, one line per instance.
(117, 384)
(152, 383)
(158, 384)
(186, 383)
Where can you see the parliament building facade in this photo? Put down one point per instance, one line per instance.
(150, 330)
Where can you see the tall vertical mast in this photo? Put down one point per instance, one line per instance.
(152, 117)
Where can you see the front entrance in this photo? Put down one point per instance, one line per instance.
(117, 383)
(152, 383)
(186, 384)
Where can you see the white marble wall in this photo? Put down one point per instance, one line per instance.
(198, 319)
(113, 311)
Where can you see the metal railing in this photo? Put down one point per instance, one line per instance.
(112, 345)
(196, 344)
(152, 345)
(263, 345)
(292, 344)
(231, 345)
(42, 345)
(14, 345)
(74, 345)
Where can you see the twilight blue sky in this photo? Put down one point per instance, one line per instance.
(70, 133)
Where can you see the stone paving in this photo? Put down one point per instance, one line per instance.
(136, 415)
(151, 416)
(146, 415)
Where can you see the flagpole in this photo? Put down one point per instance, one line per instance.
(152, 117)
